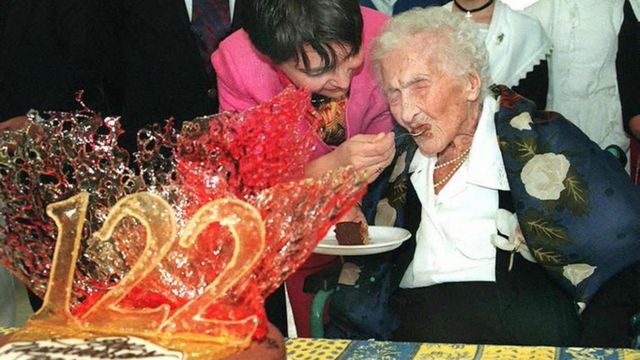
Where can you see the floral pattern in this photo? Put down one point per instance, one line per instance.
(576, 206)
(522, 122)
(543, 176)
(386, 214)
(576, 273)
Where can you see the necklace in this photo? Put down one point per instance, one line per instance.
(469, 11)
(453, 171)
(447, 163)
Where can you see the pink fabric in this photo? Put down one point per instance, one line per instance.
(246, 78)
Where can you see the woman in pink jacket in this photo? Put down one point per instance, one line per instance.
(320, 45)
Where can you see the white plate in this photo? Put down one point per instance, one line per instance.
(381, 239)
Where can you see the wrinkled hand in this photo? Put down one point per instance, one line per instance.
(16, 123)
(367, 153)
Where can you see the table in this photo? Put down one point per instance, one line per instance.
(326, 349)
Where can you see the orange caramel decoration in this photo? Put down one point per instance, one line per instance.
(180, 330)
(190, 277)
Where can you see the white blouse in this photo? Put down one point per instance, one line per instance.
(453, 241)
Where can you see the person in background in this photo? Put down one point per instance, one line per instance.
(582, 70)
(599, 330)
(628, 74)
(392, 7)
(628, 67)
(159, 64)
(518, 46)
(321, 46)
(48, 51)
(133, 59)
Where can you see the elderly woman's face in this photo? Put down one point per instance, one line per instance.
(426, 99)
(333, 83)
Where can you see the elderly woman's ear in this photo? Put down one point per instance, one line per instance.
(474, 86)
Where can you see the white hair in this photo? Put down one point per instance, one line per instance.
(461, 49)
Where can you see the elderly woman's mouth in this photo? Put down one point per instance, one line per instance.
(417, 132)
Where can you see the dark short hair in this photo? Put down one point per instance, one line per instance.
(281, 28)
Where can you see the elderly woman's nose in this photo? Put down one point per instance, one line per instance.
(408, 110)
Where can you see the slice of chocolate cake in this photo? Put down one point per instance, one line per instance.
(352, 233)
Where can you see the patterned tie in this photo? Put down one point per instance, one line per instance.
(210, 22)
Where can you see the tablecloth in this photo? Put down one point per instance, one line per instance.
(326, 349)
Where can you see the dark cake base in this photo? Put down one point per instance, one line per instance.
(352, 233)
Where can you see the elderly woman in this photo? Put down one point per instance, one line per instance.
(469, 168)
(434, 71)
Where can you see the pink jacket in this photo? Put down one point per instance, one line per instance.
(246, 78)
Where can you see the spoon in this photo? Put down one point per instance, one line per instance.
(410, 134)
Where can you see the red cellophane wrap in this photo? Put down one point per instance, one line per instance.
(181, 247)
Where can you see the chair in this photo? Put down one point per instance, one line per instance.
(322, 284)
